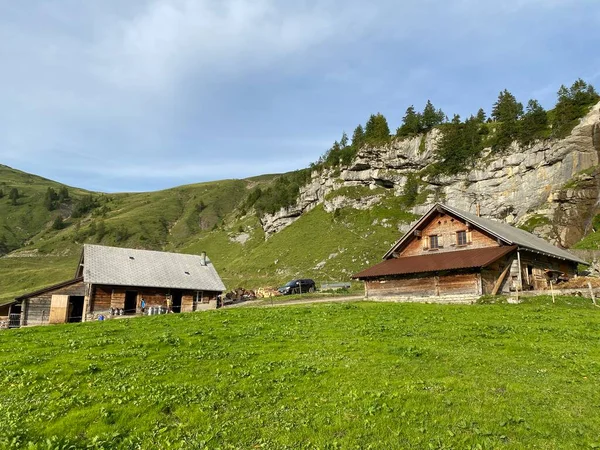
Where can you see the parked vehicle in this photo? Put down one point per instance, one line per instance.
(298, 287)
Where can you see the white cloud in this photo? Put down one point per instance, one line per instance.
(97, 81)
(172, 37)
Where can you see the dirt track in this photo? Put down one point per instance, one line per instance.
(266, 304)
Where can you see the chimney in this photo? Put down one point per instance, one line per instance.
(203, 258)
(478, 210)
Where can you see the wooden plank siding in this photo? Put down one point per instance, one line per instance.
(425, 285)
(105, 297)
(446, 227)
(36, 310)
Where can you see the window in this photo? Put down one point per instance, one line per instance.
(461, 238)
(433, 242)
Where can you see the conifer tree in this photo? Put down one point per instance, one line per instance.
(507, 110)
(411, 123)
(430, 117)
(572, 104)
(63, 194)
(358, 137)
(51, 199)
(13, 196)
(58, 223)
(344, 140)
(534, 122)
(481, 115)
(377, 131)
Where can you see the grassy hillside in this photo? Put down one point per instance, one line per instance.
(28, 217)
(320, 245)
(359, 375)
(43, 253)
(203, 217)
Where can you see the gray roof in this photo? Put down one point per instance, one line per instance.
(501, 230)
(145, 268)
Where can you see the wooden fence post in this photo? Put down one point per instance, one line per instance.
(552, 291)
(592, 293)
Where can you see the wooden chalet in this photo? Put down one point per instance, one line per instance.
(113, 281)
(452, 255)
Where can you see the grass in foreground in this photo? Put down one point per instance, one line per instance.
(358, 375)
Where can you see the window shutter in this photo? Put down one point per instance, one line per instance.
(425, 240)
(469, 237)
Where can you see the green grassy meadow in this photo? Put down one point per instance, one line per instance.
(329, 376)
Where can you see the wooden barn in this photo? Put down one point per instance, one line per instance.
(112, 281)
(451, 255)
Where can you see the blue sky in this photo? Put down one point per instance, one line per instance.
(149, 94)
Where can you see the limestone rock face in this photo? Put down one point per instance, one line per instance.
(552, 179)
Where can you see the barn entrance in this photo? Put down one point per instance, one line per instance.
(130, 302)
(75, 308)
(14, 316)
(176, 301)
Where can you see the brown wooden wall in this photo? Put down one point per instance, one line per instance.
(533, 272)
(106, 297)
(424, 285)
(446, 227)
(36, 310)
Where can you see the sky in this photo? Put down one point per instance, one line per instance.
(148, 94)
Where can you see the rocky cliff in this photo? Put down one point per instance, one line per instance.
(551, 187)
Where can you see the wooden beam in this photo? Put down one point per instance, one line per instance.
(501, 278)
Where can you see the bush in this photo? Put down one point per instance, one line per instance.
(58, 223)
(14, 196)
(411, 190)
(281, 194)
(84, 206)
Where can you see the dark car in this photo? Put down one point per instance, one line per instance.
(298, 287)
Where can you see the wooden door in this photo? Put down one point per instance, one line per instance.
(59, 308)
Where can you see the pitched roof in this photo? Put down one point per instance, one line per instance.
(435, 262)
(145, 268)
(50, 288)
(508, 234)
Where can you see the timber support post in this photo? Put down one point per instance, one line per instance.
(519, 276)
(501, 278)
(592, 294)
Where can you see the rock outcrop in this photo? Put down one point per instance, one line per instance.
(551, 185)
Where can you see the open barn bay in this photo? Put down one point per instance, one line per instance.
(358, 375)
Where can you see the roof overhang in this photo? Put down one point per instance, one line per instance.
(480, 224)
(50, 288)
(437, 262)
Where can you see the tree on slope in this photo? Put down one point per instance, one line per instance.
(572, 104)
(411, 123)
(377, 131)
(358, 137)
(51, 199)
(431, 117)
(13, 196)
(481, 115)
(507, 110)
(534, 122)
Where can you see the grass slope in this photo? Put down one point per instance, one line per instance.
(319, 245)
(164, 220)
(359, 375)
(21, 222)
